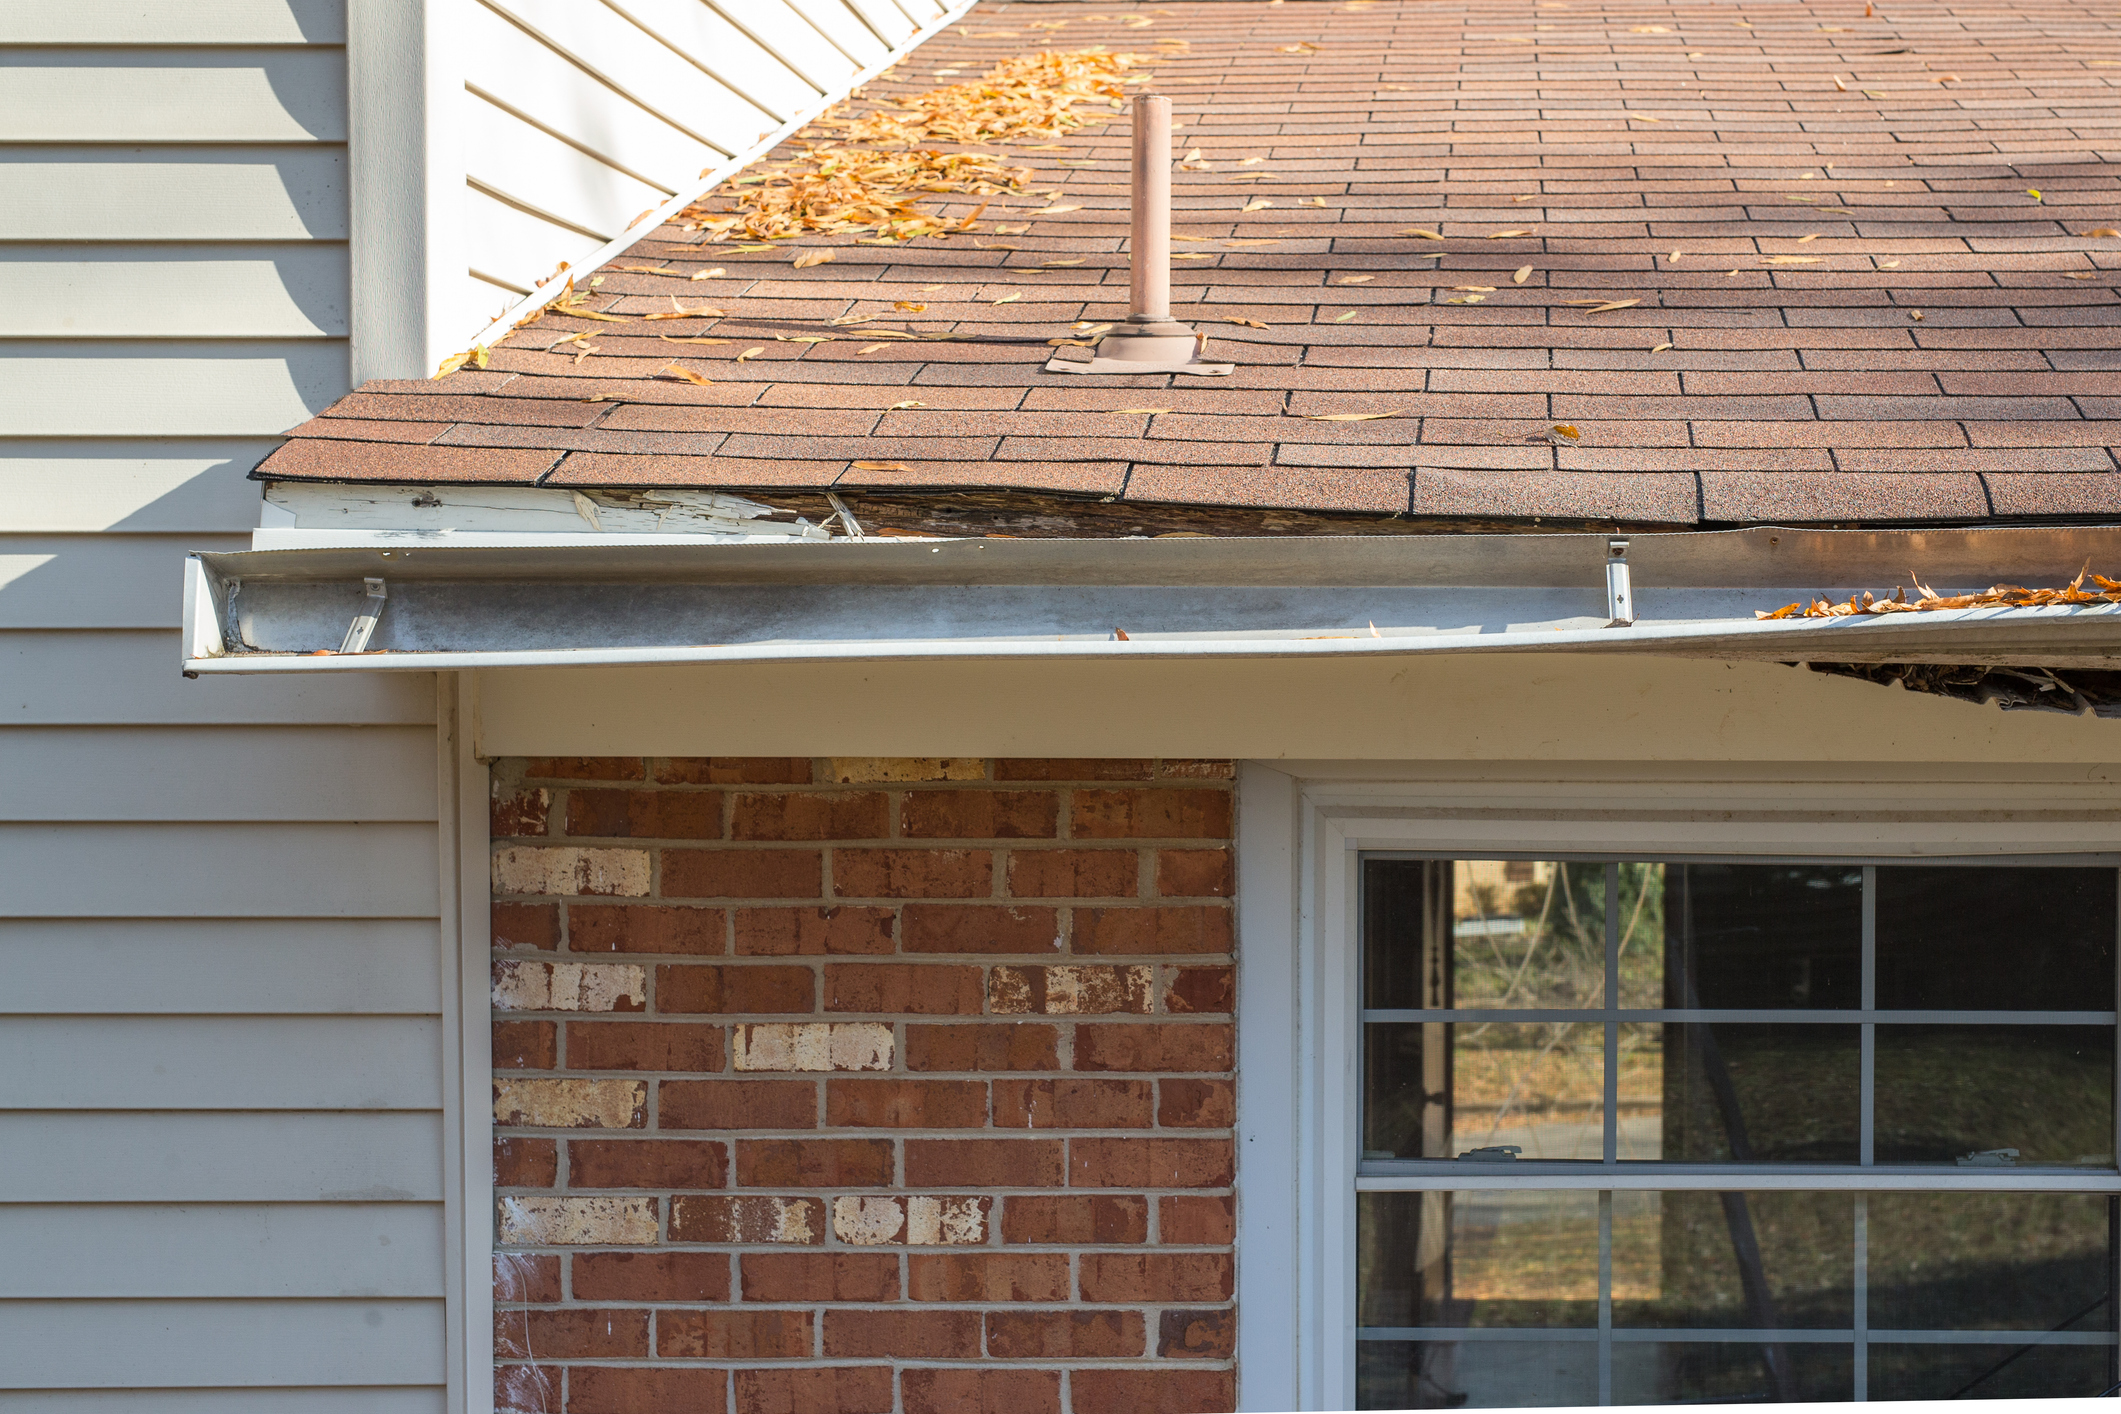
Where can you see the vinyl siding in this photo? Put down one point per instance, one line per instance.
(221, 1111)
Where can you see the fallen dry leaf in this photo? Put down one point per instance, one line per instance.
(1811, 237)
(749, 354)
(1420, 233)
(1887, 264)
(1839, 85)
(882, 466)
(871, 348)
(573, 313)
(1000, 230)
(1466, 299)
(1242, 245)
(1610, 305)
(1248, 323)
(1192, 255)
(1649, 29)
(2078, 275)
(678, 311)
(1532, 197)
(1146, 412)
(695, 339)
(909, 306)
(1256, 204)
(1659, 348)
(909, 403)
(1005, 299)
(1562, 434)
(1643, 118)
(1791, 259)
(1505, 235)
(1346, 416)
(1077, 261)
(1524, 273)
(1477, 289)
(1343, 318)
(1056, 210)
(672, 370)
(805, 259)
(1354, 279)
(643, 270)
(1915, 314)
(2100, 233)
(715, 274)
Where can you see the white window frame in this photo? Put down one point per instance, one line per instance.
(1302, 830)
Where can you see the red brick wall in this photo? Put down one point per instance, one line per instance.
(874, 1086)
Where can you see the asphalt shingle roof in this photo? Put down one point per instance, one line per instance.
(1826, 215)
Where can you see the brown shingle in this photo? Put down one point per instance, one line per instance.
(1792, 391)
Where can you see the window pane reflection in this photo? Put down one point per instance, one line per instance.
(1747, 936)
(1405, 1374)
(1484, 934)
(1673, 1372)
(1988, 1371)
(1500, 1258)
(1990, 1261)
(1945, 1093)
(1757, 1261)
(1439, 1090)
(1777, 1093)
(2023, 938)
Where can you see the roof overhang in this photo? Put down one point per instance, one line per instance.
(1695, 594)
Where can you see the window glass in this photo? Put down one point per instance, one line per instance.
(1730, 936)
(1484, 934)
(1740, 1092)
(1755, 1261)
(1670, 1372)
(1490, 1258)
(2006, 1370)
(2022, 938)
(1990, 1261)
(1962, 1094)
(1435, 1090)
(1516, 1374)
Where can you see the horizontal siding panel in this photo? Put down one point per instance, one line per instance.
(224, 773)
(221, 1250)
(225, 1401)
(207, 871)
(514, 245)
(236, 388)
(173, 95)
(133, 22)
(72, 193)
(122, 678)
(71, 1345)
(510, 67)
(221, 1158)
(537, 170)
(288, 290)
(179, 966)
(98, 581)
(723, 50)
(220, 1063)
(137, 484)
(602, 41)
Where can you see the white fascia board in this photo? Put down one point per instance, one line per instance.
(532, 304)
(303, 515)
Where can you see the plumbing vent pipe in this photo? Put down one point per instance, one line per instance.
(1150, 341)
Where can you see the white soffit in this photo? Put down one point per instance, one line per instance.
(788, 600)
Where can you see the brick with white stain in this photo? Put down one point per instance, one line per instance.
(1068, 991)
(946, 1222)
(577, 1222)
(814, 1045)
(868, 1222)
(530, 869)
(568, 986)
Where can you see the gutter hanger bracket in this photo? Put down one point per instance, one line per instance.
(1619, 590)
(363, 626)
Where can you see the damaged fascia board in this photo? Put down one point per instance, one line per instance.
(1191, 598)
(302, 515)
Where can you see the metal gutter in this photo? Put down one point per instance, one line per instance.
(1693, 594)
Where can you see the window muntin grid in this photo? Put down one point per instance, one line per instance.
(1879, 1038)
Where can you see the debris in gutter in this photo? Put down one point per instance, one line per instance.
(2093, 691)
(2000, 596)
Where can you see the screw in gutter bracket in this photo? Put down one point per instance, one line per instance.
(363, 626)
(1619, 591)
(1989, 1159)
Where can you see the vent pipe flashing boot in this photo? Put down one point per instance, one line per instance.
(1150, 341)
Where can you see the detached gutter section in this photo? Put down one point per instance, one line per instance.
(439, 607)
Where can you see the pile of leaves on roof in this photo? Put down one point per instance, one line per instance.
(849, 185)
(2000, 596)
(2097, 691)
